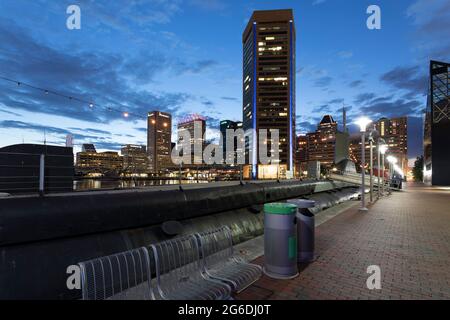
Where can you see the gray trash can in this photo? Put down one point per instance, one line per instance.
(305, 229)
(280, 240)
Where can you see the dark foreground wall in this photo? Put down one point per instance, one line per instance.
(20, 168)
(41, 237)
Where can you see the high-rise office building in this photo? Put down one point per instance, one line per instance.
(437, 126)
(159, 138)
(321, 143)
(197, 139)
(135, 159)
(269, 85)
(394, 131)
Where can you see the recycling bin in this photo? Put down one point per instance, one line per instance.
(280, 240)
(305, 229)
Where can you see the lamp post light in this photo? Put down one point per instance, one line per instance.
(363, 123)
(382, 149)
(371, 164)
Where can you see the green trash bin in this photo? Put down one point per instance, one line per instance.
(280, 240)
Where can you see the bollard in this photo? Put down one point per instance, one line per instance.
(280, 241)
(305, 229)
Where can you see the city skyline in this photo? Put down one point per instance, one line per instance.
(383, 72)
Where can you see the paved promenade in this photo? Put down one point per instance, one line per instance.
(406, 234)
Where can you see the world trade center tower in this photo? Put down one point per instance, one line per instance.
(269, 89)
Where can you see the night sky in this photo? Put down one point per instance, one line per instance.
(185, 56)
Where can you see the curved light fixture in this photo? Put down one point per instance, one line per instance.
(363, 122)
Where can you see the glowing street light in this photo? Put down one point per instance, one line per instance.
(363, 123)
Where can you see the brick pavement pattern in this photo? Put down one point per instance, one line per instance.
(407, 234)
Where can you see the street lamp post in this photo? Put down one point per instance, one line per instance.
(383, 149)
(378, 169)
(363, 122)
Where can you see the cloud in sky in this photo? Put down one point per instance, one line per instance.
(431, 19)
(409, 79)
(99, 77)
(345, 54)
(356, 83)
(323, 81)
(316, 2)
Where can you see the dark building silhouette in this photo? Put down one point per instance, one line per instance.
(269, 85)
(224, 126)
(437, 126)
(20, 168)
(88, 147)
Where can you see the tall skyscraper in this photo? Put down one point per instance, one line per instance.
(269, 84)
(159, 136)
(197, 140)
(437, 126)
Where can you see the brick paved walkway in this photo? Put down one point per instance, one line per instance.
(407, 234)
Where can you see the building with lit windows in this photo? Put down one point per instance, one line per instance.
(437, 126)
(394, 132)
(301, 154)
(269, 87)
(197, 139)
(92, 163)
(159, 139)
(321, 143)
(135, 159)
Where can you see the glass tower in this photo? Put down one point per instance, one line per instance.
(437, 126)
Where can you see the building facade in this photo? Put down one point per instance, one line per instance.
(321, 143)
(437, 126)
(269, 85)
(135, 159)
(107, 163)
(194, 126)
(394, 131)
(301, 155)
(159, 138)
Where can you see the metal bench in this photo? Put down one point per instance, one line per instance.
(179, 273)
(219, 261)
(122, 276)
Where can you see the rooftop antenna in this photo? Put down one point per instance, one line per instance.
(45, 137)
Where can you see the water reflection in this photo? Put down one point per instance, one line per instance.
(89, 184)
